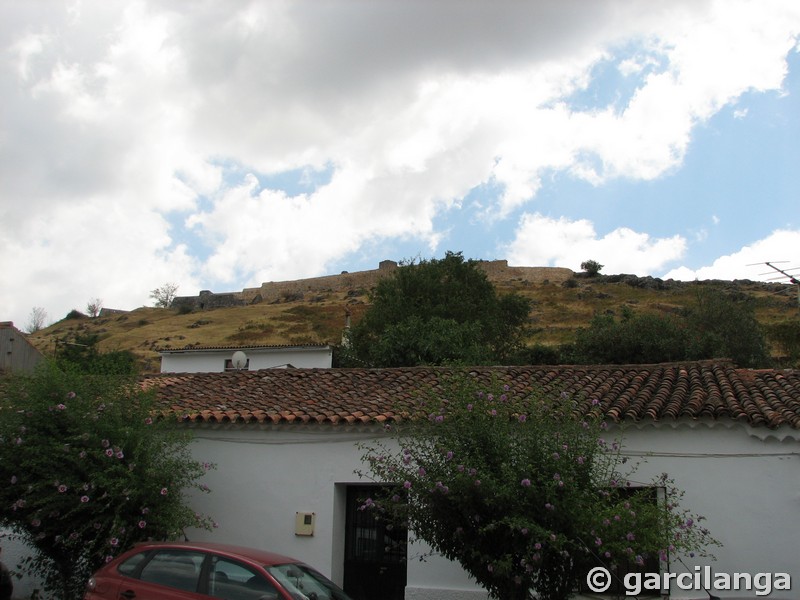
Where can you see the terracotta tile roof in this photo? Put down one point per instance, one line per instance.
(664, 392)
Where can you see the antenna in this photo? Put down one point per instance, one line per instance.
(783, 274)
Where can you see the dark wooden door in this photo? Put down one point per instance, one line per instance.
(375, 553)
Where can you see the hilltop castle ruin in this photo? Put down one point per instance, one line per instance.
(497, 271)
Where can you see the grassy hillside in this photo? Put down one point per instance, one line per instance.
(558, 309)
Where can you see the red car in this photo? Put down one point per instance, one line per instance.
(197, 571)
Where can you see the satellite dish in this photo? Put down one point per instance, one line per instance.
(239, 360)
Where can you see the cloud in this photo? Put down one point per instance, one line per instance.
(541, 240)
(125, 115)
(749, 261)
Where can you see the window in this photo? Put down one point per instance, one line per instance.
(174, 568)
(229, 365)
(131, 564)
(651, 563)
(234, 581)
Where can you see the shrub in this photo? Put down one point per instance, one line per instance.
(87, 471)
(524, 495)
(592, 267)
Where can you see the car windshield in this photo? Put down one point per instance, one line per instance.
(304, 583)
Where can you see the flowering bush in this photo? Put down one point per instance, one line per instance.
(86, 471)
(524, 495)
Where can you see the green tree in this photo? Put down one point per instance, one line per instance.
(524, 495)
(438, 311)
(79, 351)
(87, 471)
(592, 267)
(786, 336)
(725, 326)
(633, 339)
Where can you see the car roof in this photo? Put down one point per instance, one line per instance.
(261, 556)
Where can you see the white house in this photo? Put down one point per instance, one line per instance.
(284, 443)
(286, 456)
(211, 359)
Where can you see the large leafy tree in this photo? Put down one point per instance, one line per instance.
(725, 325)
(438, 311)
(523, 491)
(633, 339)
(715, 325)
(87, 471)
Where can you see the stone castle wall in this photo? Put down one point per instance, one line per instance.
(497, 271)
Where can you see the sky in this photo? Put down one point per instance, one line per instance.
(219, 144)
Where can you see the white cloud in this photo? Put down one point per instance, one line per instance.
(561, 242)
(120, 115)
(749, 261)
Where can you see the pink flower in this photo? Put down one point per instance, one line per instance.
(84, 499)
(62, 488)
(163, 491)
(142, 524)
(526, 482)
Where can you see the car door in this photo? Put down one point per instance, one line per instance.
(168, 574)
(230, 579)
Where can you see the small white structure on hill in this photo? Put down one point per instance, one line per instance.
(245, 358)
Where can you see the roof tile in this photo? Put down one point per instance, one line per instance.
(666, 392)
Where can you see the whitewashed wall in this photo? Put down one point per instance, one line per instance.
(746, 482)
(213, 361)
(747, 487)
(264, 476)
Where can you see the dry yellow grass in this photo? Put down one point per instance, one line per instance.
(557, 311)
